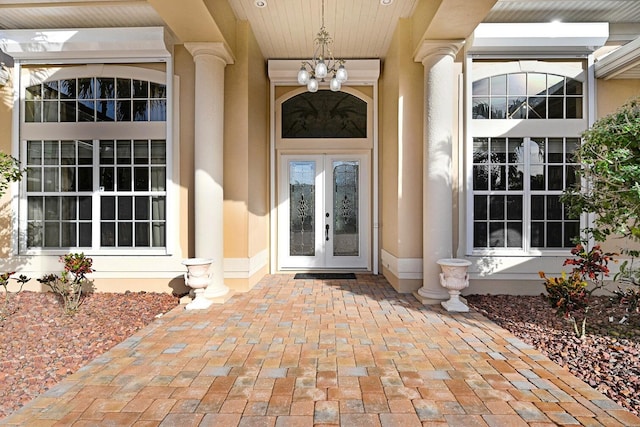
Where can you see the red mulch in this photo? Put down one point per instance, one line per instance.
(608, 358)
(40, 344)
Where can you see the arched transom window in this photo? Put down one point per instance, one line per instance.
(527, 95)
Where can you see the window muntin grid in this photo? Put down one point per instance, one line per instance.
(95, 99)
(132, 182)
(527, 95)
(517, 183)
(63, 186)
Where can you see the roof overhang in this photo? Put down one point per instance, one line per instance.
(85, 44)
(622, 63)
(554, 38)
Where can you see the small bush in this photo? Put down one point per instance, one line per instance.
(6, 309)
(628, 296)
(9, 171)
(567, 293)
(72, 285)
(570, 294)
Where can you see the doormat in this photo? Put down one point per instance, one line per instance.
(325, 276)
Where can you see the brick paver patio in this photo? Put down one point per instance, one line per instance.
(304, 353)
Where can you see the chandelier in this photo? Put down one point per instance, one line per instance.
(323, 64)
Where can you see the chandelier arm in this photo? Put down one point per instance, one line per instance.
(323, 63)
(305, 63)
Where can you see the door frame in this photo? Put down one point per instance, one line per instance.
(363, 76)
(324, 260)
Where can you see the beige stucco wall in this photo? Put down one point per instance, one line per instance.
(246, 148)
(611, 94)
(184, 69)
(401, 148)
(6, 109)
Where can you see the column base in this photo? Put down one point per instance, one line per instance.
(221, 299)
(204, 301)
(214, 291)
(198, 304)
(433, 300)
(434, 294)
(427, 300)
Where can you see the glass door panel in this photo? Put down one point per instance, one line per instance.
(323, 212)
(302, 201)
(345, 208)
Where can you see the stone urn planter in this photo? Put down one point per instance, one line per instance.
(454, 278)
(198, 278)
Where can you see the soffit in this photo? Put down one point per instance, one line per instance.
(613, 11)
(286, 29)
(360, 28)
(17, 14)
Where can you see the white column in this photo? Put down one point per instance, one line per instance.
(210, 60)
(439, 91)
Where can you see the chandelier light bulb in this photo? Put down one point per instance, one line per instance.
(322, 64)
(341, 74)
(335, 84)
(303, 76)
(321, 69)
(312, 85)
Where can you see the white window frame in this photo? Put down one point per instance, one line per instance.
(519, 128)
(29, 76)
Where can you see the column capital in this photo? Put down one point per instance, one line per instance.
(431, 48)
(217, 49)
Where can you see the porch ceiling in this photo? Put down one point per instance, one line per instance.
(285, 29)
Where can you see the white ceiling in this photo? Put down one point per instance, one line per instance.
(285, 29)
(360, 28)
(613, 11)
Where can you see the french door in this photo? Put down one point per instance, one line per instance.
(323, 211)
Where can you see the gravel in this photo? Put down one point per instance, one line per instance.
(608, 358)
(40, 345)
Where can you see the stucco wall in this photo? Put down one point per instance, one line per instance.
(258, 119)
(6, 109)
(611, 94)
(184, 69)
(388, 146)
(246, 182)
(401, 148)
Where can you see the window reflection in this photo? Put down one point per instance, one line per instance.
(502, 201)
(527, 96)
(91, 99)
(61, 193)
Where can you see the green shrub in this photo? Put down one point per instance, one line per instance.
(629, 295)
(9, 171)
(570, 294)
(72, 284)
(609, 159)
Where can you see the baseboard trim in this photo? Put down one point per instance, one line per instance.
(245, 268)
(402, 268)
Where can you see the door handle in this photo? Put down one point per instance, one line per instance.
(326, 232)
